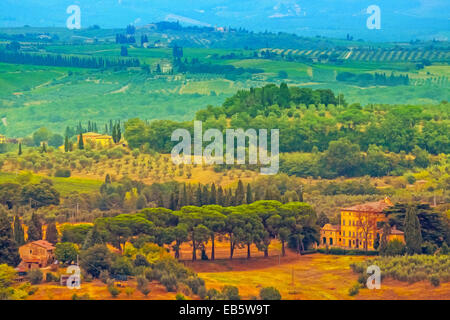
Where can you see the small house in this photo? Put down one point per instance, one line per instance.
(36, 254)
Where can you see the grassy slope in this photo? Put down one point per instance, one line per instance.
(315, 276)
(64, 185)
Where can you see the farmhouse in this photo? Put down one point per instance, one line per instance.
(96, 138)
(359, 227)
(36, 254)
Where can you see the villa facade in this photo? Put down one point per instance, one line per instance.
(359, 227)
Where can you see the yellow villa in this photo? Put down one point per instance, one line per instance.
(96, 138)
(359, 227)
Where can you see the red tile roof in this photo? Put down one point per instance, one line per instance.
(377, 206)
(44, 244)
(330, 227)
(31, 260)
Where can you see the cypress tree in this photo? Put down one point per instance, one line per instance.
(267, 195)
(118, 132)
(413, 234)
(20, 148)
(19, 235)
(34, 228)
(44, 148)
(229, 199)
(172, 203)
(189, 195)
(249, 194)
(113, 134)
(300, 194)
(182, 197)
(240, 194)
(92, 238)
(51, 235)
(384, 239)
(66, 144)
(80, 141)
(205, 196)
(9, 252)
(213, 195)
(220, 197)
(199, 196)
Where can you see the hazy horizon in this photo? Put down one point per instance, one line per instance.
(401, 20)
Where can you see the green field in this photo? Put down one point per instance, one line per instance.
(56, 97)
(65, 186)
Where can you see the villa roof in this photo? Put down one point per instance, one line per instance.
(31, 260)
(376, 206)
(331, 227)
(44, 244)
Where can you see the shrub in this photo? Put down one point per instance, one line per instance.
(429, 247)
(62, 173)
(362, 279)
(444, 249)
(129, 291)
(214, 294)
(269, 293)
(82, 297)
(179, 296)
(113, 290)
(353, 291)
(434, 280)
(195, 283)
(154, 274)
(140, 260)
(50, 277)
(341, 251)
(142, 285)
(32, 290)
(104, 276)
(395, 248)
(35, 276)
(231, 293)
(170, 282)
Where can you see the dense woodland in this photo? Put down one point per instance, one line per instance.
(340, 139)
(58, 60)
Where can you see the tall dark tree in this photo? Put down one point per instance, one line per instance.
(19, 234)
(205, 195)
(384, 239)
(213, 195)
(220, 197)
(249, 196)
(34, 228)
(80, 141)
(66, 144)
(413, 235)
(198, 198)
(20, 148)
(51, 234)
(92, 238)
(9, 252)
(240, 194)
